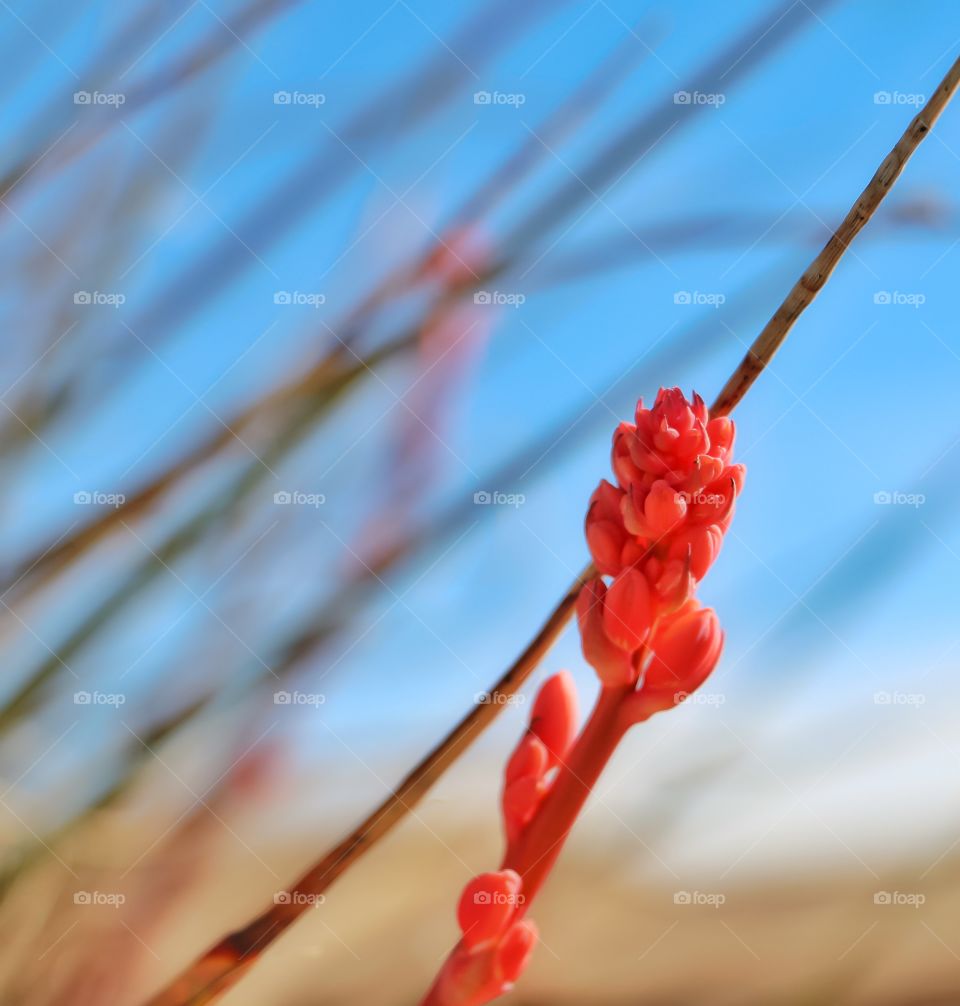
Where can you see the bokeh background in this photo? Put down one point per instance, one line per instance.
(318, 319)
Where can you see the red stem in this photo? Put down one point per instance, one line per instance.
(537, 848)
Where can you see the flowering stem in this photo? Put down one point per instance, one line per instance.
(539, 845)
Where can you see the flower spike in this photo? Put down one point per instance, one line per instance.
(654, 534)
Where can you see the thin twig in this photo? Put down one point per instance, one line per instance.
(224, 964)
(819, 270)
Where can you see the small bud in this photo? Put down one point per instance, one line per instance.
(555, 715)
(513, 953)
(486, 906)
(606, 536)
(664, 508)
(520, 801)
(611, 663)
(530, 758)
(702, 543)
(686, 648)
(628, 610)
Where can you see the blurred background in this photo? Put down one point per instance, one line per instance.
(318, 320)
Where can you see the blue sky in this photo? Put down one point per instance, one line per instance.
(821, 590)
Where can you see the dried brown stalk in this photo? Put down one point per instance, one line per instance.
(223, 965)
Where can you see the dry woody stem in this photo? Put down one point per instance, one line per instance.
(221, 966)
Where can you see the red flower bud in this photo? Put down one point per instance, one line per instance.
(514, 951)
(606, 535)
(701, 543)
(628, 610)
(686, 648)
(554, 716)
(664, 508)
(611, 662)
(487, 905)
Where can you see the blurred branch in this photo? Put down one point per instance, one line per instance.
(36, 568)
(223, 965)
(40, 160)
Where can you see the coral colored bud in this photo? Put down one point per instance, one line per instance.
(611, 662)
(628, 610)
(514, 950)
(664, 508)
(675, 583)
(721, 434)
(715, 502)
(486, 906)
(702, 544)
(738, 473)
(622, 460)
(530, 758)
(606, 535)
(519, 803)
(686, 648)
(555, 715)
